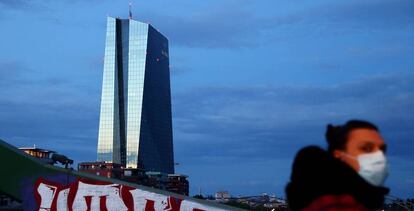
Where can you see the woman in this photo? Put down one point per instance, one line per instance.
(348, 176)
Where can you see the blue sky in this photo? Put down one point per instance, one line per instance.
(252, 81)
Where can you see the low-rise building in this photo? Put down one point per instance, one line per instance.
(43, 155)
(157, 180)
(222, 195)
(178, 183)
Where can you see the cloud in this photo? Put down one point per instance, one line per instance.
(381, 12)
(12, 72)
(179, 70)
(257, 122)
(350, 14)
(29, 4)
(238, 26)
(15, 4)
(232, 25)
(213, 29)
(47, 111)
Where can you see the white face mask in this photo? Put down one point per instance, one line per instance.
(372, 167)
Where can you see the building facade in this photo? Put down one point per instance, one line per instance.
(109, 170)
(135, 128)
(42, 155)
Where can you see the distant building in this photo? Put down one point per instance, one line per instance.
(261, 202)
(136, 176)
(43, 155)
(157, 180)
(222, 195)
(109, 170)
(135, 127)
(178, 183)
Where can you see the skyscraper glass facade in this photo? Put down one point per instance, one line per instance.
(135, 126)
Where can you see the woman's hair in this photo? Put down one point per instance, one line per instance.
(336, 136)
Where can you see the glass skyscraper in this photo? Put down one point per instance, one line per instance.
(135, 127)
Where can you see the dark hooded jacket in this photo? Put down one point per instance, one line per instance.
(318, 180)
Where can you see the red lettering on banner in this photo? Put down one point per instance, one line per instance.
(150, 205)
(95, 195)
(174, 204)
(88, 200)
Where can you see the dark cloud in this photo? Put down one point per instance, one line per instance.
(47, 111)
(349, 15)
(237, 26)
(211, 29)
(33, 4)
(382, 12)
(44, 10)
(230, 132)
(256, 122)
(15, 4)
(12, 72)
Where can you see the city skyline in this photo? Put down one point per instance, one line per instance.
(252, 82)
(135, 120)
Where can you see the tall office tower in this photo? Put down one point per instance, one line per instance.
(135, 127)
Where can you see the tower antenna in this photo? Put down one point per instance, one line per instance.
(130, 10)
